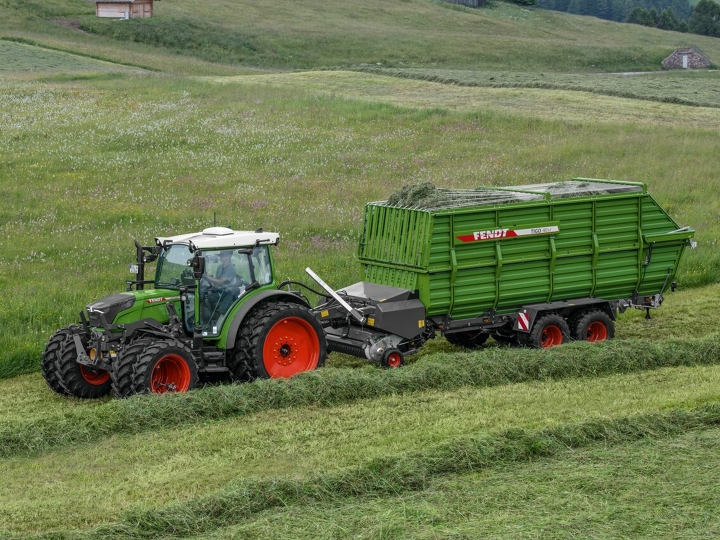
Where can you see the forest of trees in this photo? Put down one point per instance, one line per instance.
(618, 10)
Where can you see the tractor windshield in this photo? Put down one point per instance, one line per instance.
(172, 267)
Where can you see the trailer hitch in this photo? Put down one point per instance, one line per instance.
(351, 310)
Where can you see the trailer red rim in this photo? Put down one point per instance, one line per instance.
(291, 347)
(551, 336)
(394, 360)
(597, 331)
(96, 378)
(171, 373)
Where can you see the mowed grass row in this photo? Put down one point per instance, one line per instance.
(697, 88)
(75, 423)
(179, 482)
(600, 491)
(93, 164)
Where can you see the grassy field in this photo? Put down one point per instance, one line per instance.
(114, 130)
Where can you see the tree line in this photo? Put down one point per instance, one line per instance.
(676, 15)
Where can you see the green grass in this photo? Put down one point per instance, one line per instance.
(597, 492)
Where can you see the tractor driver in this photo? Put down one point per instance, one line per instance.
(225, 272)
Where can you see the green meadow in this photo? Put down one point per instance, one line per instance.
(291, 116)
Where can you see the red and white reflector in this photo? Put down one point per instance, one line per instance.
(523, 321)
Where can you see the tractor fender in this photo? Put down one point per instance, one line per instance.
(250, 303)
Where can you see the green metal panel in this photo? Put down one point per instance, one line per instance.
(498, 249)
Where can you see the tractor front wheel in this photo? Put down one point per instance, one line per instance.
(158, 367)
(77, 379)
(280, 340)
(50, 356)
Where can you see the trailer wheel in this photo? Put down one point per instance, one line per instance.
(78, 380)
(50, 356)
(548, 331)
(469, 340)
(282, 339)
(164, 366)
(594, 325)
(392, 359)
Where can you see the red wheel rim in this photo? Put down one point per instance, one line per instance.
(551, 336)
(96, 378)
(597, 331)
(291, 347)
(394, 360)
(170, 374)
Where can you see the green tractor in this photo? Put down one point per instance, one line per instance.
(214, 308)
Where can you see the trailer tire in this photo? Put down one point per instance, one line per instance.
(392, 359)
(548, 331)
(50, 355)
(469, 340)
(594, 325)
(165, 365)
(78, 380)
(281, 339)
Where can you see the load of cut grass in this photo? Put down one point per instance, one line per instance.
(326, 388)
(396, 474)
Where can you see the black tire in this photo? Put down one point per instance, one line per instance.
(548, 331)
(593, 325)
(50, 355)
(78, 380)
(279, 340)
(392, 359)
(162, 366)
(469, 340)
(122, 373)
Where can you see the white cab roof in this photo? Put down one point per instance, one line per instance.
(221, 237)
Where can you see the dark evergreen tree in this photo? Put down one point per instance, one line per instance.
(705, 19)
(668, 20)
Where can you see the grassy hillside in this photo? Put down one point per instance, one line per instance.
(114, 130)
(291, 34)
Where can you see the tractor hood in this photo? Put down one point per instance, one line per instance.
(109, 306)
(132, 306)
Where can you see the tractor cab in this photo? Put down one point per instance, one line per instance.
(212, 270)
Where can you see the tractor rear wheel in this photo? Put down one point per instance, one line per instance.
(548, 331)
(282, 339)
(159, 367)
(594, 325)
(77, 379)
(50, 355)
(469, 340)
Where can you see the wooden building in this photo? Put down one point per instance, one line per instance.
(687, 58)
(124, 9)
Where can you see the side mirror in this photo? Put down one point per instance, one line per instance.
(197, 263)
